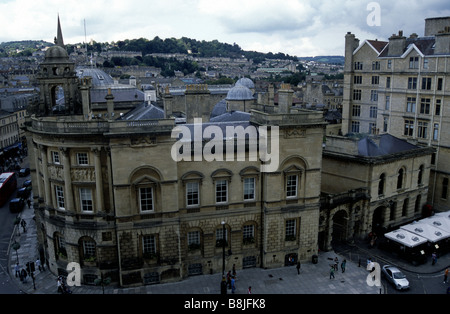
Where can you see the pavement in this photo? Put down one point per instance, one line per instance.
(314, 278)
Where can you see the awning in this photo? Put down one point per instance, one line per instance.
(405, 237)
(440, 222)
(428, 231)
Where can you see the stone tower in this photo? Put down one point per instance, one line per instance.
(58, 82)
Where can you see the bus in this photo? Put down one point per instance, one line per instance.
(8, 184)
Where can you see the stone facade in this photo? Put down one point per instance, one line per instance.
(401, 87)
(110, 195)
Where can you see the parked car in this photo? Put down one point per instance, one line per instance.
(395, 276)
(16, 205)
(26, 183)
(24, 172)
(23, 193)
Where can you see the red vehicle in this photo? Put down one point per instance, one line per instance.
(8, 184)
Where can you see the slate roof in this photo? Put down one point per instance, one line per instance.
(385, 144)
(144, 112)
(233, 116)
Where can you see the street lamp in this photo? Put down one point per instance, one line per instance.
(223, 247)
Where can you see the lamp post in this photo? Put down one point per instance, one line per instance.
(223, 247)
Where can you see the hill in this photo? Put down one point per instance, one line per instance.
(325, 59)
(21, 48)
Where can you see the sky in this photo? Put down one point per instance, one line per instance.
(295, 27)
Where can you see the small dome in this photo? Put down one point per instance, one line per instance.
(239, 92)
(56, 54)
(246, 82)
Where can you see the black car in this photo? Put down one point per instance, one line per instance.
(23, 193)
(24, 172)
(16, 205)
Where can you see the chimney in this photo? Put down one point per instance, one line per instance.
(285, 96)
(110, 104)
(397, 44)
(351, 43)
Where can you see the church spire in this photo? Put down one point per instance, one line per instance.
(59, 41)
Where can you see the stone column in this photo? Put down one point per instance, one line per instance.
(68, 193)
(98, 179)
(47, 193)
(38, 176)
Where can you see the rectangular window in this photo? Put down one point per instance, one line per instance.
(422, 129)
(291, 185)
(221, 191)
(439, 83)
(249, 188)
(373, 95)
(192, 194)
(412, 82)
(414, 62)
(290, 229)
(411, 104)
(86, 200)
(425, 104)
(372, 128)
(409, 128)
(82, 159)
(193, 238)
(425, 63)
(375, 65)
(88, 248)
(59, 191)
(388, 82)
(356, 110)
(375, 80)
(385, 124)
(436, 131)
(248, 232)
(387, 103)
(146, 199)
(358, 66)
(444, 188)
(356, 94)
(149, 244)
(389, 64)
(355, 126)
(373, 111)
(426, 83)
(437, 108)
(55, 157)
(357, 79)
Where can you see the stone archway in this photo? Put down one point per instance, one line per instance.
(340, 227)
(378, 218)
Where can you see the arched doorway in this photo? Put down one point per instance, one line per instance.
(340, 224)
(378, 219)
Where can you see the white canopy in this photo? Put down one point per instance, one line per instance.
(430, 232)
(445, 215)
(440, 222)
(405, 237)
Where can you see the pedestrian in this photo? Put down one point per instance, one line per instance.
(38, 264)
(336, 263)
(234, 271)
(445, 275)
(332, 272)
(229, 279)
(344, 262)
(29, 203)
(59, 284)
(17, 270)
(233, 284)
(249, 291)
(298, 268)
(24, 274)
(433, 258)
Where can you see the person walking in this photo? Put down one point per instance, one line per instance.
(344, 262)
(332, 272)
(298, 268)
(24, 274)
(233, 284)
(249, 291)
(433, 258)
(446, 275)
(17, 270)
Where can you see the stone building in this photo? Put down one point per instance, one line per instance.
(382, 183)
(113, 194)
(401, 87)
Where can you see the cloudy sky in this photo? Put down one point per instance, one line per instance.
(295, 27)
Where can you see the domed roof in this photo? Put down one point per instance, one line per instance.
(219, 108)
(246, 82)
(239, 92)
(56, 54)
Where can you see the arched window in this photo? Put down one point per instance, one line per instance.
(381, 184)
(400, 178)
(88, 251)
(420, 175)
